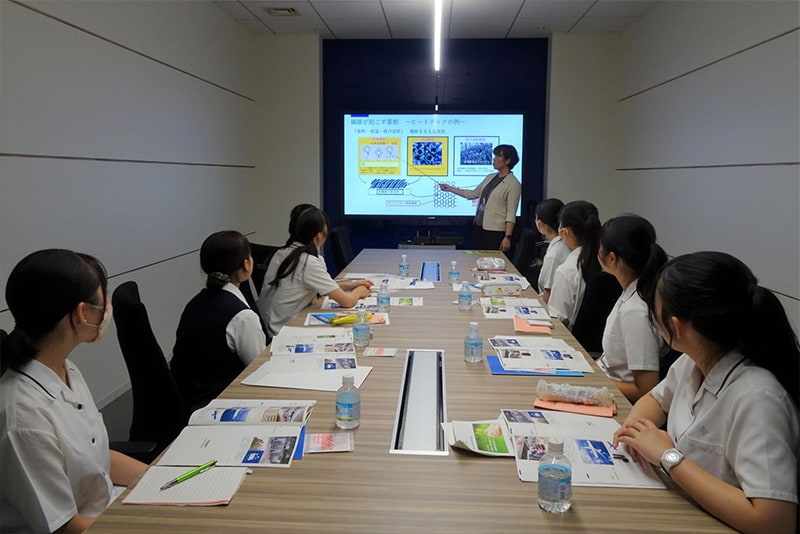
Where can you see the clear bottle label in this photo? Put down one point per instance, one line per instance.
(361, 334)
(555, 483)
(348, 411)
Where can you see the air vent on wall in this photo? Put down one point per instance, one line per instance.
(281, 12)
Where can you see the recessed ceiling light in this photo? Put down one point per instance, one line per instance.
(281, 12)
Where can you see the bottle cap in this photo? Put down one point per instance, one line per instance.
(347, 380)
(473, 323)
(404, 256)
(555, 446)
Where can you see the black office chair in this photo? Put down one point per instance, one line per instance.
(602, 291)
(340, 246)
(158, 410)
(261, 256)
(3, 335)
(529, 254)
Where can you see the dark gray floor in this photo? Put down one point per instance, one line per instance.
(117, 417)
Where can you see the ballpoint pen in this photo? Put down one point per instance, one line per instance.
(190, 474)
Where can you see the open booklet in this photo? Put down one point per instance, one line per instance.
(509, 307)
(371, 303)
(489, 438)
(587, 444)
(318, 340)
(249, 433)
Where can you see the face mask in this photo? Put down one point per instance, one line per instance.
(103, 326)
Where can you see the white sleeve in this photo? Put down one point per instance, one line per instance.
(42, 489)
(245, 336)
(642, 342)
(562, 296)
(316, 276)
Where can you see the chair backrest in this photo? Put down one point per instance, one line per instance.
(527, 258)
(261, 256)
(602, 291)
(158, 409)
(341, 247)
(3, 335)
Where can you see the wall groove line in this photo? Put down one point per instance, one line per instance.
(701, 67)
(129, 49)
(711, 166)
(124, 160)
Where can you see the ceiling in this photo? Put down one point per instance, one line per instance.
(413, 19)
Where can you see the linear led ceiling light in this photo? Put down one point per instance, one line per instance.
(437, 34)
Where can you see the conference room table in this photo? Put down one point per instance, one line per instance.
(370, 490)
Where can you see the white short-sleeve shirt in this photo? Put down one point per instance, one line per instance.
(54, 456)
(630, 342)
(244, 334)
(278, 305)
(739, 424)
(568, 288)
(557, 252)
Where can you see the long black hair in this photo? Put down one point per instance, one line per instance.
(42, 289)
(293, 216)
(221, 255)
(547, 210)
(309, 223)
(720, 297)
(633, 239)
(583, 220)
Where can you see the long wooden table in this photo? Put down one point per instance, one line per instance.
(370, 490)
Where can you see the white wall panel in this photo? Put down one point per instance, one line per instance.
(65, 92)
(739, 111)
(191, 36)
(676, 37)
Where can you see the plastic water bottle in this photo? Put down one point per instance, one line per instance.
(452, 275)
(473, 345)
(348, 404)
(383, 297)
(361, 330)
(404, 265)
(555, 478)
(464, 297)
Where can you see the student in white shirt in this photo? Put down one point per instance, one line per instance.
(631, 344)
(218, 334)
(579, 228)
(297, 274)
(56, 470)
(547, 212)
(732, 435)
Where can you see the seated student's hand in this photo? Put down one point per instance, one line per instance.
(643, 437)
(445, 187)
(363, 282)
(361, 292)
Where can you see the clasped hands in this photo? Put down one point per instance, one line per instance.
(644, 440)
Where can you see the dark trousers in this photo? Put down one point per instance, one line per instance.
(485, 239)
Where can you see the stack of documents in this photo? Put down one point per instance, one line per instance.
(310, 358)
(536, 355)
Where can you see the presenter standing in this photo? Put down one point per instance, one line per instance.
(498, 196)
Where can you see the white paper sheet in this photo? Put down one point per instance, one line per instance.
(215, 486)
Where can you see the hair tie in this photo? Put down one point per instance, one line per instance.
(222, 277)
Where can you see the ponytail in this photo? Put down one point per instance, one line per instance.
(310, 222)
(583, 221)
(648, 276)
(16, 350)
(769, 341)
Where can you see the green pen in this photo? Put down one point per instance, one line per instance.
(190, 474)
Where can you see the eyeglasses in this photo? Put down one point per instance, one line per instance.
(98, 308)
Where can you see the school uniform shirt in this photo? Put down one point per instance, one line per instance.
(566, 294)
(54, 458)
(277, 305)
(501, 206)
(630, 343)
(557, 252)
(739, 424)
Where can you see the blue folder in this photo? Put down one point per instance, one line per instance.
(497, 369)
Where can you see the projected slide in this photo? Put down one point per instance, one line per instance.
(393, 164)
